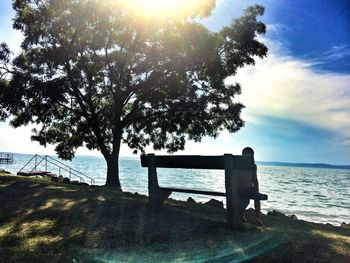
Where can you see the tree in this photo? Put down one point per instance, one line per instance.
(95, 74)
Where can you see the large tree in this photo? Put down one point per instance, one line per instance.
(97, 73)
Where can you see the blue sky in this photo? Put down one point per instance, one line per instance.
(297, 100)
(313, 30)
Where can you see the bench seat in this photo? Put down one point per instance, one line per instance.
(192, 191)
(213, 193)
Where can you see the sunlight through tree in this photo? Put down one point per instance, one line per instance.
(98, 73)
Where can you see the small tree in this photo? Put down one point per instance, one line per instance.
(93, 73)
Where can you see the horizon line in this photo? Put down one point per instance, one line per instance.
(278, 163)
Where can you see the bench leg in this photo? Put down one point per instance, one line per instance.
(233, 201)
(235, 215)
(158, 196)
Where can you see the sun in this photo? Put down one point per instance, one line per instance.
(158, 6)
(163, 8)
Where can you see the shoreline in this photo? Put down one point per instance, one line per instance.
(291, 190)
(46, 220)
(178, 197)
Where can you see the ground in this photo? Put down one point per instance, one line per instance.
(42, 221)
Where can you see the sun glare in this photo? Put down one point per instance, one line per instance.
(157, 6)
(163, 8)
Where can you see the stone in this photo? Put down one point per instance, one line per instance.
(66, 180)
(276, 213)
(345, 225)
(137, 195)
(215, 203)
(54, 179)
(293, 217)
(75, 182)
(190, 200)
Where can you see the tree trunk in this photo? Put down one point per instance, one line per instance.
(113, 172)
(113, 164)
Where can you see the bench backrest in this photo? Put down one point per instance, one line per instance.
(239, 162)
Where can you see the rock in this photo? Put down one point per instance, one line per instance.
(137, 195)
(190, 200)
(345, 225)
(66, 180)
(54, 179)
(75, 182)
(215, 203)
(276, 213)
(293, 217)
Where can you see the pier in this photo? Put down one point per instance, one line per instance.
(6, 158)
(40, 165)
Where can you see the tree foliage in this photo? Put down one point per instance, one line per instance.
(94, 73)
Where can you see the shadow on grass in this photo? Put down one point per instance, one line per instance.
(43, 221)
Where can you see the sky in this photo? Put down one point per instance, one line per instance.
(297, 99)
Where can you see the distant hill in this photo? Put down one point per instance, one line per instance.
(311, 165)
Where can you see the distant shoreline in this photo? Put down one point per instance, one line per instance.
(308, 165)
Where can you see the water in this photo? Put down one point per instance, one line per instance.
(313, 194)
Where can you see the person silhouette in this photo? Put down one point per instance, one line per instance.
(249, 187)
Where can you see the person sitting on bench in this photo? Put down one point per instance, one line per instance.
(249, 188)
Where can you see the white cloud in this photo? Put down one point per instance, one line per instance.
(285, 87)
(337, 52)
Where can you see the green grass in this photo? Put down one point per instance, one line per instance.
(41, 221)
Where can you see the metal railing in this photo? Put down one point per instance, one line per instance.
(45, 160)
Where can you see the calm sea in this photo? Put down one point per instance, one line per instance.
(313, 194)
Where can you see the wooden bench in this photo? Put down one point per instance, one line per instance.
(232, 164)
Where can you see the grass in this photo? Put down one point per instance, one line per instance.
(42, 221)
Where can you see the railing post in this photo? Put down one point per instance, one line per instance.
(35, 162)
(46, 163)
(70, 172)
